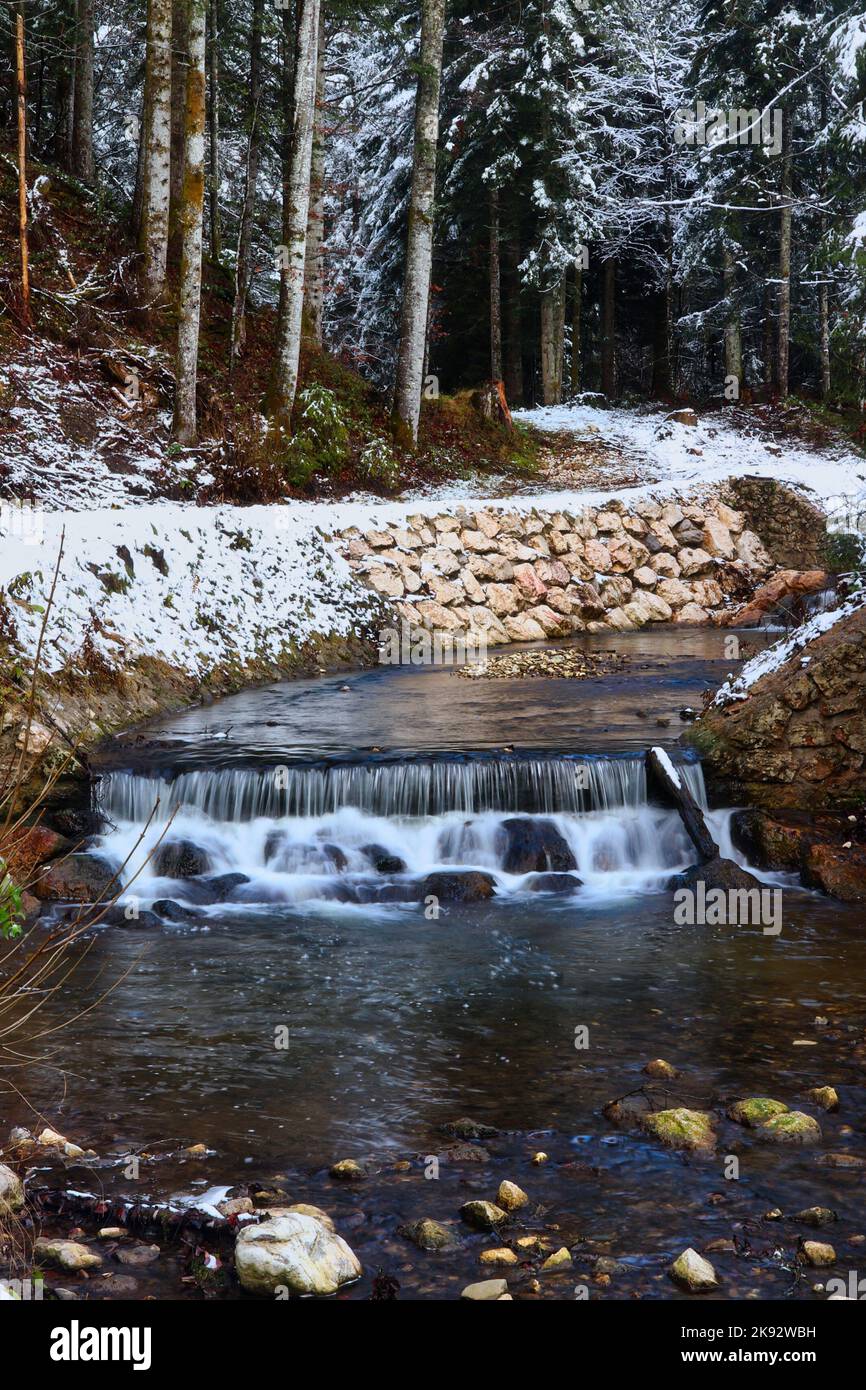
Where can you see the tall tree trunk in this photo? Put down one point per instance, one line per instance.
(179, 66)
(20, 72)
(513, 344)
(419, 248)
(733, 336)
(314, 269)
(288, 67)
(156, 142)
(64, 87)
(576, 308)
(608, 329)
(285, 383)
(769, 337)
(244, 260)
(216, 248)
(191, 217)
(552, 334)
(662, 388)
(495, 290)
(824, 288)
(82, 109)
(784, 326)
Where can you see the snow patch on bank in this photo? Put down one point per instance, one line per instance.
(772, 658)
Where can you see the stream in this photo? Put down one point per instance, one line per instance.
(298, 1002)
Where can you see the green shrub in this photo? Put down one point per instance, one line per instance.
(320, 443)
(377, 465)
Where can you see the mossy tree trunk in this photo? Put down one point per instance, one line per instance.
(244, 259)
(191, 217)
(314, 271)
(156, 142)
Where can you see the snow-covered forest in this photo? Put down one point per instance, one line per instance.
(659, 199)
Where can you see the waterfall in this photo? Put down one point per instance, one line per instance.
(409, 788)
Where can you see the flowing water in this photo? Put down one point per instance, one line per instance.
(312, 1008)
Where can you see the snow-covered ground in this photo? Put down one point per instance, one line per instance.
(680, 458)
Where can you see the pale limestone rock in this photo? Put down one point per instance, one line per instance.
(502, 599)
(11, 1191)
(552, 572)
(514, 550)
(445, 592)
(675, 592)
(435, 617)
(481, 620)
(672, 515)
(533, 525)
(450, 540)
(664, 535)
(492, 567)
(441, 561)
(471, 586)
(618, 619)
(616, 590)
(559, 601)
(553, 624)
(750, 549)
(486, 1291)
(488, 523)
(735, 521)
(693, 561)
(693, 1272)
(523, 629)
(707, 593)
(511, 1197)
(626, 553)
(597, 557)
(378, 540)
(647, 608)
(446, 523)
(665, 565)
(717, 539)
(476, 541)
(646, 576)
(635, 525)
(407, 540)
(558, 543)
(357, 549)
(296, 1252)
(386, 582)
(65, 1254)
(607, 523)
(584, 526)
(692, 613)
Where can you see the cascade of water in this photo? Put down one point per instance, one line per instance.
(409, 788)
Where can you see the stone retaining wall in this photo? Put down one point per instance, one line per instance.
(523, 576)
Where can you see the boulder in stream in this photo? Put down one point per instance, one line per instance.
(383, 861)
(294, 1252)
(78, 878)
(528, 845)
(755, 1111)
(716, 873)
(11, 1191)
(691, 1271)
(681, 1128)
(458, 886)
(794, 1127)
(179, 859)
(553, 883)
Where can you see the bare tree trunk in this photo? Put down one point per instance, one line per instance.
(576, 307)
(495, 291)
(661, 380)
(156, 142)
(512, 319)
(733, 336)
(191, 217)
(784, 326)
(419, 249)
(608, 329)
(296, 213)
(314, 270)
(769, 337)
(179, 65)
(216, 248)
(22, 166)
(64, 87)
(82, 110)
(552, 335)
(244, 261)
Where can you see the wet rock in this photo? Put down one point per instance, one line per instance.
(79, 878)
(836, 870)
(50, 1139)
(560, 1259)
(486, 1291)
(661, 1070)
(217, 888)
(296, 1252)
(236, 1206)
(170, 911)
(501, 1256)
(461, 886)
(755, 1111)
(484, 1216)
(818, 1254)
(842, 1160)
(553, 883)
(691, 1271)
(628, 1110)
(604, 1264)
(785, 584)
(347, 1170)
(680, 1128)
(11, 1191)
(304, 1209)
(467, 1128)
(527, 844)
(65, 1254)
(765, 842)
(816, 1216)
(511, 1197)
(429, 1235)
(464, 1153)
(383, 861)
(823, 1096)
(116, 1286)
(136, 1255)
(716, 873)
(794, 1127)
(179, 859)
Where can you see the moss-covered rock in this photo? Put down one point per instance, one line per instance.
(484, 1216)
(682, 1129)
(793, 1127)
(755, 1111)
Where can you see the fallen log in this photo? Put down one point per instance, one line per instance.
(671, 784)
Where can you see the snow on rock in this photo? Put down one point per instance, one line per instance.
(772, 658)
(669, 769)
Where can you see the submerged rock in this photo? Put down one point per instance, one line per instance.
(553, 883)
(467, 1128)
(793, 1127)
(170, 911)
(527, 844)
(65, 1254)
(383, 861)
(824, 1096)
(755, 1111)
(818, 1254)
(691, 1271)
(347, 1170)
(459, 886)
(661, 1070)
(484, 1216)
(816, 1216)
(295, 1252)
(429, 1235)
(682, 1129)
